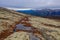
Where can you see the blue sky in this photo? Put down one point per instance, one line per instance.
(30, 3)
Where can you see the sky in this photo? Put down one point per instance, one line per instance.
(30, 3)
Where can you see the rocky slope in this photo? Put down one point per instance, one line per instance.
(18, 26)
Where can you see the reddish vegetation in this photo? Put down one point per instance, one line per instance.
(51, 25)
(5, 34)
(25, 22)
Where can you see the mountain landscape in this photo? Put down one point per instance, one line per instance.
(42, 12)
(22, 26)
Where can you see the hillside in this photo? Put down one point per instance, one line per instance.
(20, 26)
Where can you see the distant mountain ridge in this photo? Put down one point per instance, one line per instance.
(43, 12)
